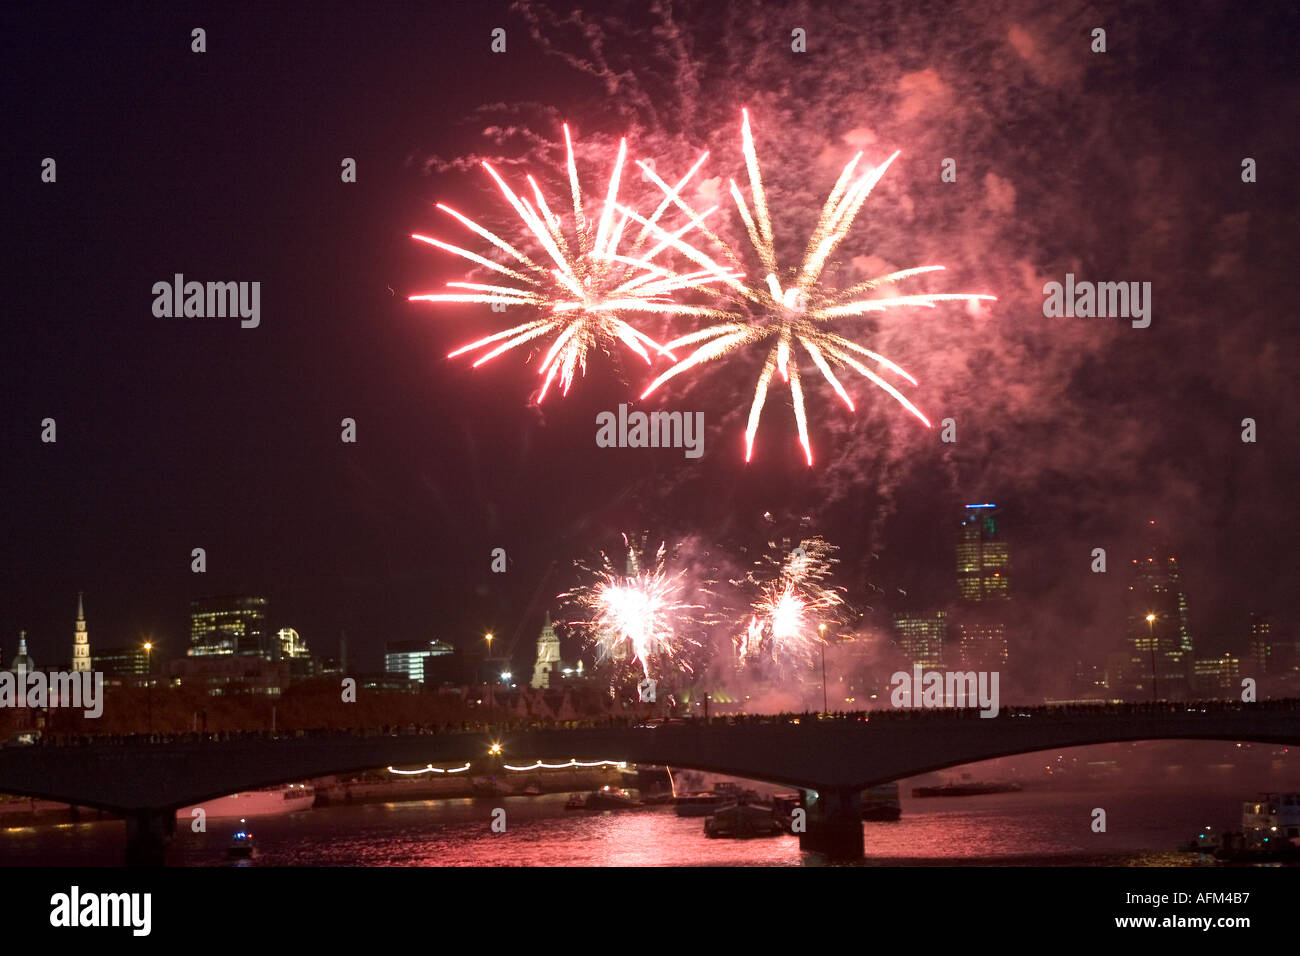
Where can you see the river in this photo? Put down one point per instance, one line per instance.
(1036, 827)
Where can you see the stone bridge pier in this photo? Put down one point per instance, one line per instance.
(834, 823)
(148, 835)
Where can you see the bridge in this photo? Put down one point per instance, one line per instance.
(831, 758)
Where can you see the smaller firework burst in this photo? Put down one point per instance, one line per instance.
(641, 613)
(794, 601)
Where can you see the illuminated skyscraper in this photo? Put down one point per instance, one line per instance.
(408, 658)
(982, 641)
(980, 624)
(228, 625)
(123, 665)
(1261, 644)
(983, 564)
(921, 636)
(1216, 677)
(1157, 623)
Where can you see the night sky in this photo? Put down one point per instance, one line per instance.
(176, 433)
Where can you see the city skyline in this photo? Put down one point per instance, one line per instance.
(210, 617)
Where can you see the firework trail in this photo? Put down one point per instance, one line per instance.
(584, 286)
(640, 612)
(786, 618)
(795, 314)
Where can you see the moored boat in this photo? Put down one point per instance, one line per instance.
(611, 798)
(783, 807)
(965, 789)
(489, 787)
(742, 821)
(880, 803)
(701, 804)
(269, 801)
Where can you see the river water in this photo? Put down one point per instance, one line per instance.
(1036, 827)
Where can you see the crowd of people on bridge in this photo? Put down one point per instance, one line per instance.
(1055, 712)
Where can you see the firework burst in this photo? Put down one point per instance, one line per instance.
(792, 604)
(585, 284)
(794, 314)
(639, 612)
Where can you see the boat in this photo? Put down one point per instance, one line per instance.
(576, 801)
(965, 789)
(783, 807)
(241, 844)
(1205, 842)
(742, 821)
(646, 779)
(1243, 848)
(611, 798)
(269, 801)
(881, 804)
(1270, 831)
(534, 789)
(485, 787)
(701, 804)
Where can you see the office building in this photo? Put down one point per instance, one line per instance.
(1157, 623)
(407, 658)
(229, 625)
(983, 561)
(921, 636)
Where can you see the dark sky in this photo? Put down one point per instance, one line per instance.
(179, 433)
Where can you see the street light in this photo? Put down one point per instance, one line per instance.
(148, 682)
(488, 637)
(821, 630)
(1151, 639)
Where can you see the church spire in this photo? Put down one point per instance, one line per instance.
(81, 639)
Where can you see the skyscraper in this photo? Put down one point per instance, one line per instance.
(123, 665)
(228, 625)
(980, 623)
(408, 657)
(81, 640)
(921, 636)
(1261, 644)
(983, 563)
(1157, 625)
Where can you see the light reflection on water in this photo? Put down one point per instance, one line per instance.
(1036, 828)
